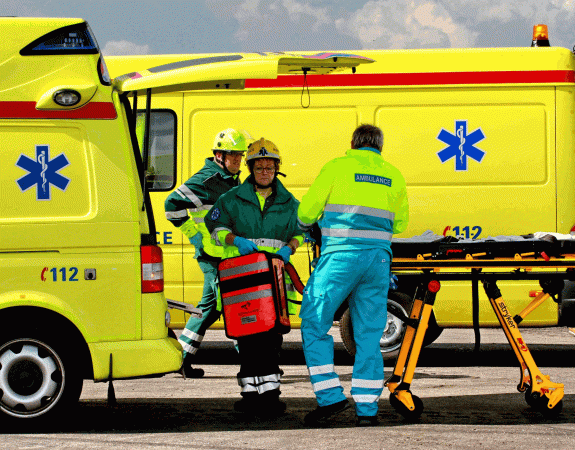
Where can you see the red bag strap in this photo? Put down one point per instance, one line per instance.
(290, 269)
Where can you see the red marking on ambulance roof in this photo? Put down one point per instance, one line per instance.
(27, 110)
(335, 55)
(410, 79)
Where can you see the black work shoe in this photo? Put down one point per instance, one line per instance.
(321, 413)
(272, 409)
(246, 406)
(190, 372)
(366, 421)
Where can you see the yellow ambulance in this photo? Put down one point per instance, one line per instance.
(82, 284)
(484, 138)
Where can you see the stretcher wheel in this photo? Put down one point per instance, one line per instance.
(404, 410)
(540, 402)
(390, 341)
(529, 398)
(553, 412)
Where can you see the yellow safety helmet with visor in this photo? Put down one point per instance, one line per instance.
(262, 148)
(231, 140)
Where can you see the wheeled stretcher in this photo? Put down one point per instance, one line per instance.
(548, 261)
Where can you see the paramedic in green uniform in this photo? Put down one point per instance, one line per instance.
(259, 215)
(186, 208)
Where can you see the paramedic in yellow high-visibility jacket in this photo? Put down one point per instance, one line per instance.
(360, 201)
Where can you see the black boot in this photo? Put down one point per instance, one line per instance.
(270, 403)
(189, 371)
(248, 404)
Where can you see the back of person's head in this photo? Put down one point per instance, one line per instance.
(367, 136)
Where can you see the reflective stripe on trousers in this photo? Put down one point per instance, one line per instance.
(190, 341)
(336, 275)
(260, 384)
(366, 391)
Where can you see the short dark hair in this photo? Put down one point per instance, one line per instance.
(367, 136)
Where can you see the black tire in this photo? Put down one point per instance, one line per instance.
(408, 415)
(39, 376)
(540, 403)
(390, 342)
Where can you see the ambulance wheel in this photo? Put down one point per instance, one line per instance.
(408, 414)
(390, 341)
(38, 376)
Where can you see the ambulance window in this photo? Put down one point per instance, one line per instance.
(161, 173)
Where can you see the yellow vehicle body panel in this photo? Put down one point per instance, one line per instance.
(75, 222)
(135, 358)
(516, 104)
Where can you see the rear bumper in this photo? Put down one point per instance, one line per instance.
(132, 359)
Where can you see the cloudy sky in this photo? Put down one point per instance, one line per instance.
(207, 26)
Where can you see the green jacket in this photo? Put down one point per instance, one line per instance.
(196, 196)
(270, 228)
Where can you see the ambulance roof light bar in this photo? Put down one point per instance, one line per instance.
(540, 36)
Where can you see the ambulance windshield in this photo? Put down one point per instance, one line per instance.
(71, 40)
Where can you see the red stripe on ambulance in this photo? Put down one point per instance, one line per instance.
(27, 110)
(417, 79)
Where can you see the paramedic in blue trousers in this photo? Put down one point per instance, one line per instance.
(259, 215)
(360, 201)
(186, 208)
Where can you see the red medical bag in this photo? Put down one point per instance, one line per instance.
(253, 294)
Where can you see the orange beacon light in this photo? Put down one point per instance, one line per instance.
(540, 36)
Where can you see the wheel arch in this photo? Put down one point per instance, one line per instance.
(34, 317)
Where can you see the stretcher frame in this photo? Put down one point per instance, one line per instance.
(486, 264)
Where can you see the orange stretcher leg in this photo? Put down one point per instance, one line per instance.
(535, 303)
(540, 392)
(399, 383)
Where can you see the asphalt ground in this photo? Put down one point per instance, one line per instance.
(470, 402)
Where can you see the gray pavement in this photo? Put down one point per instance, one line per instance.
(470, 401)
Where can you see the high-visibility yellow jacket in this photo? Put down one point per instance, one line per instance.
(361, 201)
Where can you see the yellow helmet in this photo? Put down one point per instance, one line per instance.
(262, 149)
(230, 140)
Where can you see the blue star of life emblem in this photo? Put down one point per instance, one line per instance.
(461, 145)
(263, 152)
(43, 172)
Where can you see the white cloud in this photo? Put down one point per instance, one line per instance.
(297, 9)
(255, 16)
(405, 24)
(124, 48)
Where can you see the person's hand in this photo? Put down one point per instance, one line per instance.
(308, 237)
(285, 252)
(244, 246)
(196, 241)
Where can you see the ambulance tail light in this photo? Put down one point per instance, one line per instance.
(152, 269)
(572, 232)
(540, 36)
(103, 72)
